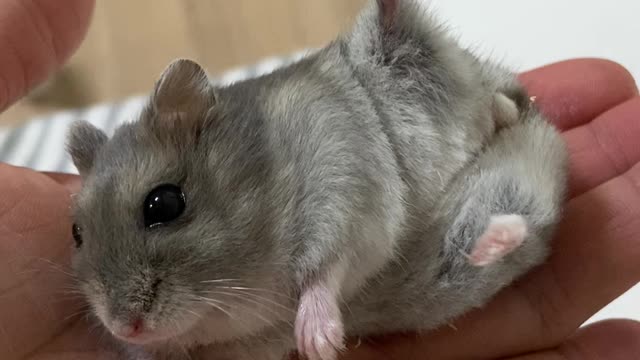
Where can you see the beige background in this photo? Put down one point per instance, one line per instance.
(130, 42)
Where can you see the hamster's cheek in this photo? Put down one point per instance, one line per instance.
(99, 307)
(95, 297)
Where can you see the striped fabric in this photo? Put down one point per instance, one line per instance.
(40, 143)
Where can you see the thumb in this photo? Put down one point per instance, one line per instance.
(611, 340)
(37, 37)
(70, 181)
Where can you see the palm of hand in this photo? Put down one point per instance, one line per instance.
(594, 259)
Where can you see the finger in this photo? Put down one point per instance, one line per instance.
(80, 341)
(34, 260)
(573, 92)
(604, 148)
(70, 181)
(595, 259)
(611, 340)
(36, 37)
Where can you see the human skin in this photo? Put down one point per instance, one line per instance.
(595, 257)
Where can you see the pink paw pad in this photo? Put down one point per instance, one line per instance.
(504, 234)
(318, 330)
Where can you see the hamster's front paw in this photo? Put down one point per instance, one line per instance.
(505, 111)
(504, 234)
(318, 330)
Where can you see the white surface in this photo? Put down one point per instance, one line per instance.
(528, 34)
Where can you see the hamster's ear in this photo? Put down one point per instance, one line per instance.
(384, 26)
(183, 87)
(381, 16)
(387, 11)
(83, 143)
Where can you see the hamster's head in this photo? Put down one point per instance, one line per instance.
(172, 227)
(189, 220)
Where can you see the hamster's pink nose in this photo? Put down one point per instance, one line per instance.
(132, 329)
(136, 326)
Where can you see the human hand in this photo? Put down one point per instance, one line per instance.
(594, 257)
(36, 38)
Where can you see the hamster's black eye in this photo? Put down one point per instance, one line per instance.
(77, 237)
(163, 204)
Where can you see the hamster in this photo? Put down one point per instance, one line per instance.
(388, 182)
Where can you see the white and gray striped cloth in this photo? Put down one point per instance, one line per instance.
(40, 143)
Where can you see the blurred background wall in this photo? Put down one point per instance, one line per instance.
(131, 41)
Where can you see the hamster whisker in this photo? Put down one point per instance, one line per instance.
(59, 267)
(83, 311)
(240, 321)
(216, 304)
(209, 301)
(55, 266)
(98, 326)
(72, 289)
(69, 292)
(243, 291)
(68, 297)
(243, 296)
(246, 297)
(219, 281)
(104, 334)
(273, 292)
(254, 312)
(93, 322)
(198, 316)
(257, 314)
(242, 285)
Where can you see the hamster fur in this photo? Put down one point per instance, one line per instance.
(390, 181)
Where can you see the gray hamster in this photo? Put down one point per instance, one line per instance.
(388, 182)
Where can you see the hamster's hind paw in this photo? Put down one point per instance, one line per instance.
(318, 330)
(504, 234)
